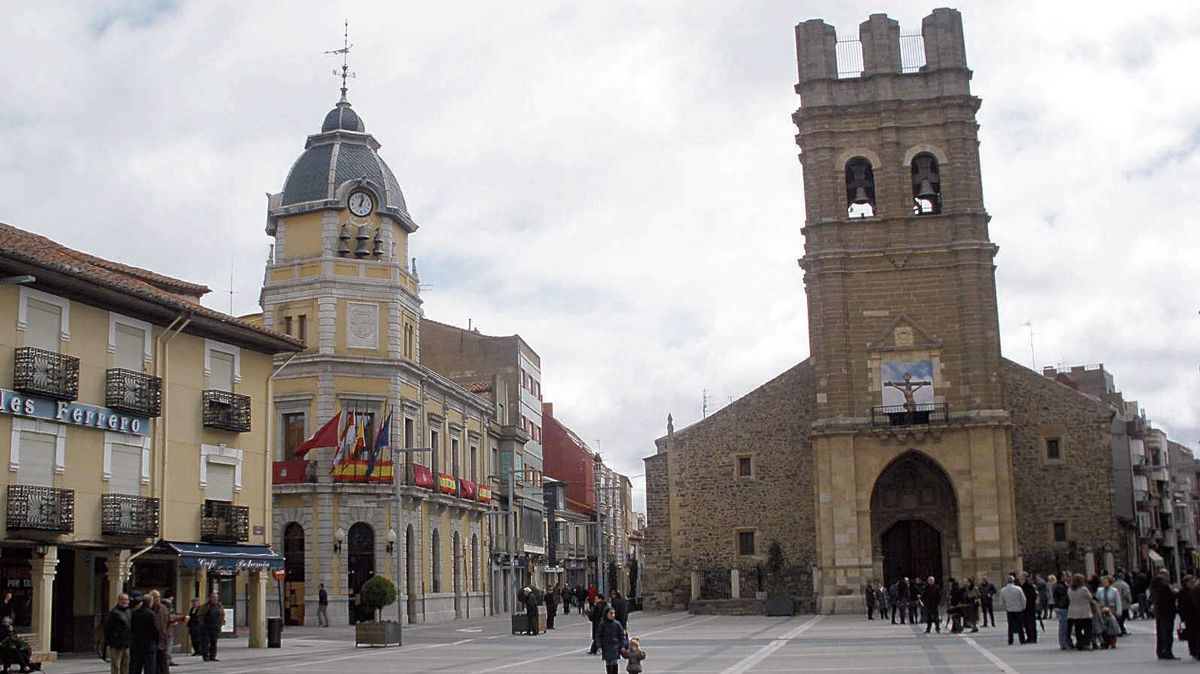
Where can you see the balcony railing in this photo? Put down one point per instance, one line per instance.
(293, 471)
(40, 508)
(227, 411)
(133, 392)
(222, 522)
(910, 415)
(128, 515)
(46, 373)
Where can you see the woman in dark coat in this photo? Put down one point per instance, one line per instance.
(1189, 613)
(612, 641)
(970, 604)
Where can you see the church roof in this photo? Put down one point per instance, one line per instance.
(341, 156)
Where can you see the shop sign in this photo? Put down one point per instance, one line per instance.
(77, 414)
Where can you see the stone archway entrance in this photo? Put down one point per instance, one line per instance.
(914, 520)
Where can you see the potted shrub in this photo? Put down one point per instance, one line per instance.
(376, 594)
(777, 602)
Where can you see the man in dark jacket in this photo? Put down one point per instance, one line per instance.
(1162, 598)
(1030, 617)
(987, 595)
(195, 627)
(931, 596)
(214, 617)
(118, 635)
(145, 636)
(531, 611)
(620, 606)
(598, 609)
(552, 597)
(1062, 605)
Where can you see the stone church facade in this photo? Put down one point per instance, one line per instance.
(905, 444)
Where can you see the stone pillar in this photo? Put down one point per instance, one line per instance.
(42, 570)
(256, 602)
(695, 585)
(735, 584)
(1089, 564)
(118, 573)
(1110, 563)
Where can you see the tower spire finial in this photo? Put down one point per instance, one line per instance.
(344, 52)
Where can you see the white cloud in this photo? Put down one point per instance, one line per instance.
(618, 181)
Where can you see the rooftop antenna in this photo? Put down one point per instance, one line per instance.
(1032, 356)
(231, 286)
(344, 52)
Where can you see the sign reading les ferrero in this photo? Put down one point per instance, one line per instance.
(77, 414)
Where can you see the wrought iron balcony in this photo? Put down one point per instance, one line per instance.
(133, 392)
(46, 373)
(910, 415)
(128, 515)
(227, 411)
(222, 522)
(40, 508)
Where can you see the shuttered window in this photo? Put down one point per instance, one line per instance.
(126, 469)
(43, 323)
(131, 348)
(37, 459)
(221, 373)
(220, 482)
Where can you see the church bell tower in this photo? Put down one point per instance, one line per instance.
(911, 444)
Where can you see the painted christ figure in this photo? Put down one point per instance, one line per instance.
(908, 387)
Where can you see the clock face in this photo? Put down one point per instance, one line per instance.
(360, 203)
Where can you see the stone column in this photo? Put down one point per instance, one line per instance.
(42, 570)
(118, 573)
(735, 585)
(257, 604)
(695, 585)
(1089, 564)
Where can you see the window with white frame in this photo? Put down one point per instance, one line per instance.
(220, 472)
(37, 451)
(44, 318)
(222, 365)
(129, 341)
(126, 462)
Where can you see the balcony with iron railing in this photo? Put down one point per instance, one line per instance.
(223, 522)
(133, 392)
(917, 414)
(46, 373)
(128, 515)
(37, 508)
(226, 411)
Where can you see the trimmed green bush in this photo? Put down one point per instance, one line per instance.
(377, 593)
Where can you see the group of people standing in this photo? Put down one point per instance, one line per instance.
(921, 601)
(609, 618)
(138, 632)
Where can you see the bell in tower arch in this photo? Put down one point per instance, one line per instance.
(363, 248)
(344, 242)
(860, 188)
(927, 185)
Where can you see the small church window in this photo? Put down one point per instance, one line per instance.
(745, 543)
(860, 188)
(745, 467)
(926, 185)
(1060, 532)
(1053, 449)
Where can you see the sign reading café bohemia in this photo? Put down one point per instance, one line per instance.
(79, 414)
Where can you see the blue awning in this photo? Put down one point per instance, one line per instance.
(214, 557)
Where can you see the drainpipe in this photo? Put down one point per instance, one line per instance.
(160, 371)
(268, 457)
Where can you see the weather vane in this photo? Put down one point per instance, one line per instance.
(344, 52)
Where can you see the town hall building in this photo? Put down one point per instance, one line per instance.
(905, 444)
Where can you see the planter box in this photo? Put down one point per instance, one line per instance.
(779, 606)
(377, 633)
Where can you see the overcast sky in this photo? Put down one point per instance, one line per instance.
(618, 181)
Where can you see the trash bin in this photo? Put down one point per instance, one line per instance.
(274, 632)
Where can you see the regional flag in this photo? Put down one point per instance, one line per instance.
(326, 436)
(344, 442)
(382, 439)
(360, 436)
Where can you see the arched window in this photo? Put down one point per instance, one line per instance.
(360, 559)
(293, 552)
(860, 188)
(436, 561)
(926, 185)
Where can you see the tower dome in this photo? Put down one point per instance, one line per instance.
(342, 158)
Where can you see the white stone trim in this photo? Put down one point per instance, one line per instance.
(229, 456)
(143, 441)
(915, 150)
(59, 431)
(211, 345)
(64, 333)
(114, 319)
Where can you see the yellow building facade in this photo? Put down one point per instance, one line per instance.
(136, 425)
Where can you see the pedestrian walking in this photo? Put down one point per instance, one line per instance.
(1060, 598)
(118, 635)
(195, 627)
(1126, 600)
(1031, 603)
(1162, 600)
(214, 618)
(144, 637)
(552, 597)
(987, 593)
(1014, 608)
(885, 608)
(634, 654)
(1108, 596)
(954, 597)
(531, 612)
(598, 609)
(1110, 629)
(970, 604)
(1079, 612)
(612, 641)
(322, 607)
(870, 598)
(1189, 616)
(566, 600)
(620, 605)
(931, 597)
(894, 601)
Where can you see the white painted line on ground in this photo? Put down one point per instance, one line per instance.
(689, 623)
(995, 660)
(763, 653)
(367, 653)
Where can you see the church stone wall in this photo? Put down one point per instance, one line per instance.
(706, 503)
(1076, 489)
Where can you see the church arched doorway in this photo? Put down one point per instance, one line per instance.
(360, 563)
(293, 569)
(914, 520)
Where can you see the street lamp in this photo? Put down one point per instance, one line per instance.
(512, 525)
